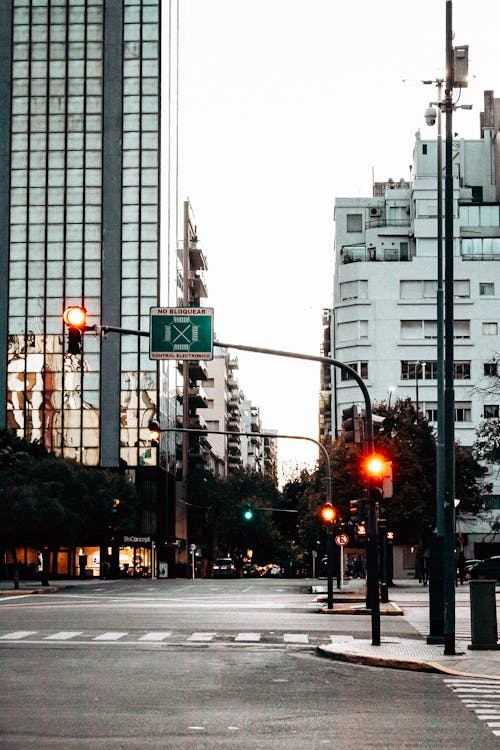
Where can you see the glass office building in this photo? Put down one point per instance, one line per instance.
(82, 129)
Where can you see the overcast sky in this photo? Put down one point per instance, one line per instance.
(284, 106)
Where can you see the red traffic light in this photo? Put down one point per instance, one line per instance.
(75, 316)
(374, 465)
(328, 513)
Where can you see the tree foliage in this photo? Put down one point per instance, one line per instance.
(487, 443)
(54, 502)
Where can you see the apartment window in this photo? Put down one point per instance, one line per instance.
(461, 288)
(354, 290)
(490, 329)
(481, 248)
(461, 370)
(480, 216)
(353, 330)
(490, 369)
(418, 329)
(431, 412)
(491, 411)
(492, 502)
(354, 222)
(463, 412)
(359, 367)
(461, 329)
(417, 289)
(486, 288)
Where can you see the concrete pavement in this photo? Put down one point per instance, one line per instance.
(411, 600)
(407, 599)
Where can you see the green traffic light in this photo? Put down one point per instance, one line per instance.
(248, 513)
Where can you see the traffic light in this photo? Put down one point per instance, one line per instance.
(247, 512)
(154, 428)
(328, 514)
(357, 509)
(351, 425)
(75, 318)
(378, 472)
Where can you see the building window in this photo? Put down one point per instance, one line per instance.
(424, 149)
(486, 288)
(418, 329)
(492, 502)
(431, 412)
(354, 222)
(359, 367)
(463, 412)
(461, 329)
(490, 369)
(490, 329)
(354, 290)
(352, 330)
(461, 370)
(491, 411)
(481, 248)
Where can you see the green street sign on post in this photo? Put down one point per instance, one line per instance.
(181, 333)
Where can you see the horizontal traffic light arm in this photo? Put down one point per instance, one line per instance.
(279, 353)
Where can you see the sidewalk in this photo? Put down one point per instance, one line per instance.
(411, 600)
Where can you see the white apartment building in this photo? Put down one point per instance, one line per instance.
(383, 321)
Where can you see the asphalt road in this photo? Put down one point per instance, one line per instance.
(208, 665)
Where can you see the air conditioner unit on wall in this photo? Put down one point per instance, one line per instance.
(375, 212)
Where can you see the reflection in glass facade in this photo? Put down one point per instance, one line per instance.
(83, 142)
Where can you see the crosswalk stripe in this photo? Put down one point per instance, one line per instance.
(201, 636)
(64, 635)
(159, 636)
(251, 637)
(112, 636)
(17, 635)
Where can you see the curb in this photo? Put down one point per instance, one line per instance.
(377, 661)
(383, 662)
(392, 610)
(30, 592)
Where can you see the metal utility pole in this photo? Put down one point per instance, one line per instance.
(449, 394)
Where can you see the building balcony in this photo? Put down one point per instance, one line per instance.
(197, 287)
(196, 422)
(197, 397)
(363, 254)
(198, 370)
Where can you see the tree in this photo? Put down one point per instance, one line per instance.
(48, 501)
(487, 443)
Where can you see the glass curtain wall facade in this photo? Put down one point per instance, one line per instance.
(80, 222)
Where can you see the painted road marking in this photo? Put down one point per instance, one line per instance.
(201, 636)
(17, 635)
(248, 637)
(112, 636)
(159, 636)
(64, 635)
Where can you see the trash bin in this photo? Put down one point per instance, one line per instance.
(483, 616)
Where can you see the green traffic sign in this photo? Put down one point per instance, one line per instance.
(181, 333)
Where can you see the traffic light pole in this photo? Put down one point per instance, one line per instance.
(372, 573)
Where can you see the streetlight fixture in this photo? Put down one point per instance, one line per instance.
(419, 365)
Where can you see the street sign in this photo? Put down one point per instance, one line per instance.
(181, 333)
(341, 540)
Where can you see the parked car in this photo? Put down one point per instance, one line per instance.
(249, 570)
(469, 564)
(489, 568)
(224, 567)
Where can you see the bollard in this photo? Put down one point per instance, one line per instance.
(483, 616)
